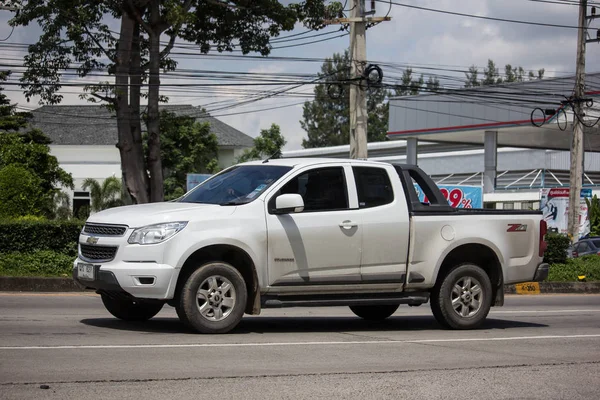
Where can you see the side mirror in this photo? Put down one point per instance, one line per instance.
(289, 203)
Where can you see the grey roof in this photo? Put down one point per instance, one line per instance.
(96, 125)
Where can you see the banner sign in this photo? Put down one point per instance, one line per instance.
(554, 204)
(458, 196)
(193, 180)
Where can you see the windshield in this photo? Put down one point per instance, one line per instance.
(237, 185)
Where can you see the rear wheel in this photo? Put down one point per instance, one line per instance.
(463, 299)
(129, 309)
(213, 298)
(374, 313)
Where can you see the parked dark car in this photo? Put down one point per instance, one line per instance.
(585, 247)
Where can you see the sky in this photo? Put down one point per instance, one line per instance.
(422, 39)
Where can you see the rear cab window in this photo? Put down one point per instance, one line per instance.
(373, 187)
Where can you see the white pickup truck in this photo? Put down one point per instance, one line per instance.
(308, 232)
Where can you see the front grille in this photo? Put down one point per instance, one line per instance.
(103, 253)
(105, 230)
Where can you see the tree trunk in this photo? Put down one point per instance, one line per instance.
(135, 123)
(153, 122)
(132, 170)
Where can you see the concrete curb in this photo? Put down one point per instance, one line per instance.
(35, 284)
(553, 287)
(38, 284)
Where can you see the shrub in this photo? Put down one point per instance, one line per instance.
(30, 236)
(38, 263)
(588, 266)
(557, 248)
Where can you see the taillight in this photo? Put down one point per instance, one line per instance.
(543, 231)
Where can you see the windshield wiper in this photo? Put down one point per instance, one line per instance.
(233, 203)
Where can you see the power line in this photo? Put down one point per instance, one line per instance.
(513, 21)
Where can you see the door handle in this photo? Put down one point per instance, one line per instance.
(348, 224)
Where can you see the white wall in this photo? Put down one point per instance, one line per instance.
(97, 162)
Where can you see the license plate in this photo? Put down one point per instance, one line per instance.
(85, 271)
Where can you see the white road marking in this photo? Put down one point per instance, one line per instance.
(283, 344)
(541, 311)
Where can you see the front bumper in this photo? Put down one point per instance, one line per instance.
(541, 272)
(143, 280)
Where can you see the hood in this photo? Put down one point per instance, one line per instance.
(155, 213)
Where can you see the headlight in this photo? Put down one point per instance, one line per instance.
(153, 234)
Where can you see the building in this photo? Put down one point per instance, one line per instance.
(84, 139)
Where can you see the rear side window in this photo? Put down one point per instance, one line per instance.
(583, 246)
(373, 186)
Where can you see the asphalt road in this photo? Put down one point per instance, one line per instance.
(536, 347)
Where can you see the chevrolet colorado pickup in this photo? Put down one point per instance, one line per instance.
(308, 232)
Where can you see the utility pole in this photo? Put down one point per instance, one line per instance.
(577, 150)
(358, 57)
(358, 96)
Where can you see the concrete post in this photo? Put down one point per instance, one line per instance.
(412, 151)
(490, 163)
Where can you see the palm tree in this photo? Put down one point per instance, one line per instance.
(104, 196)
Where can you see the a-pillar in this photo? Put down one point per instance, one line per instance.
(490, 157)
(412, 150)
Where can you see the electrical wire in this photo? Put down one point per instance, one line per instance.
(9, 35)
(513, 21)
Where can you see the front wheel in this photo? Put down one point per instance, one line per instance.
(129, 309)
(464, 298)
(374, 313)
(213, 298)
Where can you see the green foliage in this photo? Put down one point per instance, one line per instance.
(28, 236)
(269, 143)
(187, 146)
(593, 205)
(327, 121)
(573, 268)
(557, 248)
(411, 86)
(37, 263)
(491, 75)
(10, 119)
(105, 195)
(36, 158)
(62, 206)
(20, 192)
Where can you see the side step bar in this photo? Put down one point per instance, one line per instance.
(412, 299)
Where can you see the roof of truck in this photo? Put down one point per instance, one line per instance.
(293, 162)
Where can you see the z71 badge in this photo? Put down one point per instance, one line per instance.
(516, 228)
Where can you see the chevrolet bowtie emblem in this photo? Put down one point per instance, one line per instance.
(92, 240)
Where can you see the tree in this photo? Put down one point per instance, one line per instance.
(20, 192)
(105, 195)
(491, 75)
(432, 84)
(186, 146)
(326, 119)
(409, 85)
(76, 32)
(36, 158)
(472, 79)
(62, 206)
(268, 144)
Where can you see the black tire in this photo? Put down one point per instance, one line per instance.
(374, 313)
(222, 306)
(475, 304)
(131, 310)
